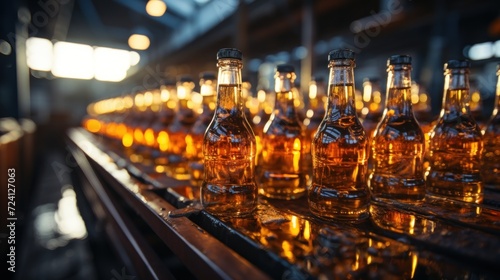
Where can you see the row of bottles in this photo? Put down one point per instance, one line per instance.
(340, 165)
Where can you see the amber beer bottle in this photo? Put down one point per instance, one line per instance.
(166, 115)
(317, 106)
(456, 141)
(229, 149)
(398, 141)
(491, 154)
(282, 167)
(184, 119)
(339, 149)
(194, 139)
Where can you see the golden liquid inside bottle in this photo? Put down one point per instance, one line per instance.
(398, 154)
(177, 166)
(339, 152)
(283, 168)
(491, 153)
(229, 187)
(194, 153)
(455, 157)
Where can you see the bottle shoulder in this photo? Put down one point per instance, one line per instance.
(235, 126)
(405, 128)
(461, 126)
(348, 131)
(282, 125)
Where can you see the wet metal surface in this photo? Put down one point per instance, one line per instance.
(439, 239)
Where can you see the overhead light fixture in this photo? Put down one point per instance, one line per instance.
(156, 8)
(134, 58)
(138, 42)
(39, 53)
(111, 64)
(483, 50)
(79, 61)
(73, 61)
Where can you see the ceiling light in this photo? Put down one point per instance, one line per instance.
(138, 42)
(156, 8)
(39, 54)
(111, 64)
(73, 61)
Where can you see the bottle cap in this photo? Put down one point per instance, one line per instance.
(168, 81)
(207, 75)
(341, 54)
(229, 53)
(286, 68)
(457, 64)
(186, 79)
(371, 79)
(317, 79)
(399, 59)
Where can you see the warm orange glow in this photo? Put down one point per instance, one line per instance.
(307, 230)
(121, 129)
(313, 90)
(159, 169)
(258, 142)
(139, 100)
(93, 125)
(297, 147)
(163, 141)
(110, 129)
(156, 8)
(294, 226)
(190, 148)
(127, 140)
(149, 137)
(414, 262)
(138, 42)
(475, 97)
(138, 136)
(287, 250)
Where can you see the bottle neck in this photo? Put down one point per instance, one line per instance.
(399, 90)
(284, 102)
(497, 97)
(456, 92)
(341, 99)
(229, 97)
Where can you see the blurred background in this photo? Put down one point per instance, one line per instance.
(58, 56)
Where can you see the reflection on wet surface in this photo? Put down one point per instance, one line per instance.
(339, 251)
(439, 239)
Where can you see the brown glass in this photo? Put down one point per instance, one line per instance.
(456, 144)
(282, 167)
(229, 187)
(339, 153)
(491, 153)
(194, 139)
(398, 144)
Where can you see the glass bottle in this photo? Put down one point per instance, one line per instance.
(168, 110)
(282, 168)
(491, 152)
(148, 116)
(373, 104)
(229, 149)
(339, 149)
(194, 139)
(398, 143)
(317, 105)
(131, 121)
(184, 119)
(456, 141)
